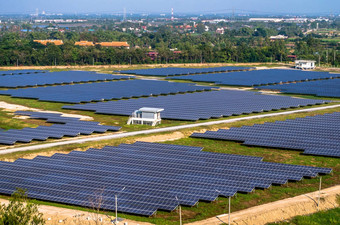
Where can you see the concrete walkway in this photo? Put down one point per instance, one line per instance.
(157, 130)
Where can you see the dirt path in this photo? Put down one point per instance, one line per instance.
(14, 107)
(280, 210)
(127, 66)
(259, 215)
(55, 215)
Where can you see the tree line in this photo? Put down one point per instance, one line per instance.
(241, 45)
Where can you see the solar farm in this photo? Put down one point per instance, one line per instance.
(317, 135)
(54, 78)
(321, 88)
(20, 72)
(101, 91)
(65, 139)
(153, 175)
(63, 127)
(201, 105)
(173, 71)
(259, 77)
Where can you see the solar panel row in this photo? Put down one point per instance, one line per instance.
(153, 176)
(203, 105)
(175, 71)
(317, 135)
(18, 72)
(66, 126)
(104, 91)
(53, 78)
(258, 77)
(322, 88)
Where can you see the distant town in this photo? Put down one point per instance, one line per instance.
(169, 38)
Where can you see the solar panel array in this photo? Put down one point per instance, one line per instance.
(258, 77)
(203, 105)
(17, 72)
(322, 88)
(316, 135)
(175, 71)
(65, 126)
(103, 91)
(146, 176)
(52, 78)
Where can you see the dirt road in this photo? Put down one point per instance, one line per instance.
(259, 215)
(280, 210)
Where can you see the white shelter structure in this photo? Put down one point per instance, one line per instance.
(146, 116)
(305, 64)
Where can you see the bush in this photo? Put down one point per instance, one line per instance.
(20, 211)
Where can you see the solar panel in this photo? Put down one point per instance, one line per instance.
(19, 72)
(322, 88)
(101, 91)
(65, 126)
(53, 78)
(175, 71)
(316, 135)
(148, 177)
(258, 77)
(200, 105)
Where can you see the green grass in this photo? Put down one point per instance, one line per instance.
(8, 122)
(329, 217)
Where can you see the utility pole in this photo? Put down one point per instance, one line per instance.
(55, 61)
(180, 211)
(229, 212)
(319, 192)
(116, 205)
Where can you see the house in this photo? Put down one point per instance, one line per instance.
(152, 55)
(304, 64)
(292, 57)
(115, 44)
(84, 43)
(278, 37)
(146, 116)
(45, 42)
(220, 30)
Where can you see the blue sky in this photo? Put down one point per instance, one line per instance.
(180, 6)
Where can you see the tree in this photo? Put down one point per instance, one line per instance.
(20, 211)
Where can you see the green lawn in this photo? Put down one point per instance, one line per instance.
(330, 217)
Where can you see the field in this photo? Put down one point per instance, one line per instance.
(203, 210)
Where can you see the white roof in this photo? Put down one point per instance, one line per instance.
(153, 110)
(304, 61)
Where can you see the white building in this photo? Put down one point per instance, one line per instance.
(305, 64)
(278, 37)
(146, 116)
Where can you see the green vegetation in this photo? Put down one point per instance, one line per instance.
(20, 210)
(236, 45)
(329, 217)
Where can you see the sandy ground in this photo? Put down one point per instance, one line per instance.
(55, 215)
(280, 210)
(128, 66)
(13, 107)
(161, 138)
